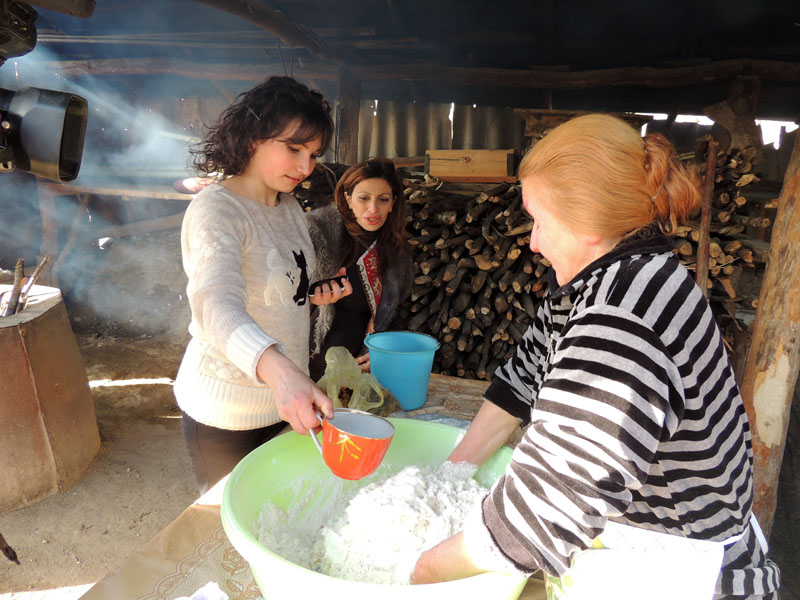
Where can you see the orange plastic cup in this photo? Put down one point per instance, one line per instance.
(354, 442)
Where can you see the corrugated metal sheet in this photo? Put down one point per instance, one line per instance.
(392, 129)
(487, 128)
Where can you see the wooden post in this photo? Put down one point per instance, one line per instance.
(774, 357)
(47, 210)
(80, 213)
(701, 272)
(349, 103)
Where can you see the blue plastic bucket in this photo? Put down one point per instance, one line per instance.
(402, 361)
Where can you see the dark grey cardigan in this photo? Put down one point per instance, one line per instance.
(326, 226)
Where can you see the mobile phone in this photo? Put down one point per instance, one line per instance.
(340, 279)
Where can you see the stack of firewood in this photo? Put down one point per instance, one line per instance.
(477, 283)
(742, 214)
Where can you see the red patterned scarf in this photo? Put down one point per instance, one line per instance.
(369, 273)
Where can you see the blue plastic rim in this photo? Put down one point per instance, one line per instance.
(402, 342)
(402, 361)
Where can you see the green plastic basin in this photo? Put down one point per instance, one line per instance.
(272, 472)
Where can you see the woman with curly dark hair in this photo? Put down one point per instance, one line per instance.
(249, 259)
(364, 234)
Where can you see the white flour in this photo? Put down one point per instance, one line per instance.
(374, 531)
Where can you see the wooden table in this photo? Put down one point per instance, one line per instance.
(193, 549)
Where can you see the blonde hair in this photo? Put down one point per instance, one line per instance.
(608, 180)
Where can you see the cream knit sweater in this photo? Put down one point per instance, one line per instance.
(248, 267)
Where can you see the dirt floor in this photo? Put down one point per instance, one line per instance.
(140, 480)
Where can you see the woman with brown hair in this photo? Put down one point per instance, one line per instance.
(248, 260)
(637, 439)
(363, 233)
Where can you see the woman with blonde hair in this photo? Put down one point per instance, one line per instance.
(637, 439)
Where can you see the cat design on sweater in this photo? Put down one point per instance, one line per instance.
(301, 295)
(288, 283)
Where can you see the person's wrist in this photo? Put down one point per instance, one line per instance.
(270, 364)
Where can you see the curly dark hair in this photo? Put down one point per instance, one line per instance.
(261, 114)
(391, 237)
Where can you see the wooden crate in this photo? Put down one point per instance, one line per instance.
(472, 165)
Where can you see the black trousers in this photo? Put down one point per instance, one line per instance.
(215, 452)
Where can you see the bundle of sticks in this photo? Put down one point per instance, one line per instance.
(477, 283)
(15, 300)
(743, 209)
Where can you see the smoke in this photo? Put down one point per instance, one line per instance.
(129, 144)
(125, 137)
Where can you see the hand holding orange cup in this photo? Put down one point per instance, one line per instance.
(354, 442)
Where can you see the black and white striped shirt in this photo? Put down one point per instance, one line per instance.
(635, 416)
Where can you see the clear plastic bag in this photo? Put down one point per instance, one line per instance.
(342, 371)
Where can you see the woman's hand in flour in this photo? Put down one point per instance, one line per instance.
(296, 397)
(444, 562)
(490, 429)
(460, 471)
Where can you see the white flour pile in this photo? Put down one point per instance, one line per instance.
(375, 532)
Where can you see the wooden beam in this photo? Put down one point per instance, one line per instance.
(773, 360)
(139, 227)
(348, 105)
(254, 12)
(76, 8)
(248, 38)
(47, 189)
(176, 40)
(189, 69)
(656, 77)
(649, 77)
(408, 161)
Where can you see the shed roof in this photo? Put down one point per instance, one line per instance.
(674, 56)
